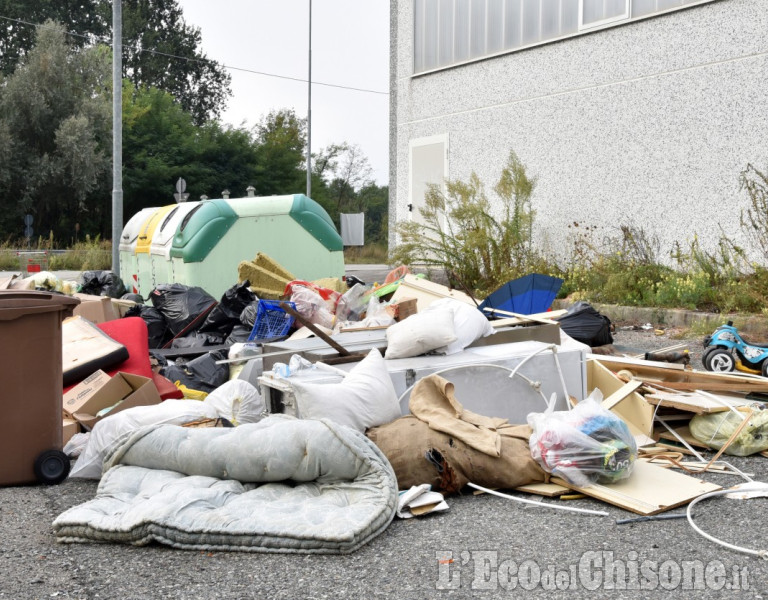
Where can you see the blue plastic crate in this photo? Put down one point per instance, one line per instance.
(271, 320)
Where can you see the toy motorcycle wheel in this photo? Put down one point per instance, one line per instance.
(706, 354)
(719, 360)
(764, 368)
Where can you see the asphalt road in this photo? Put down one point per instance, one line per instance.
(483, 546)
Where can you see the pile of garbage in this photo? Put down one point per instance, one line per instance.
(410, 377)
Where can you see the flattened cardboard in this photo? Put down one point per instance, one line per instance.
(124, 390)
(648, 491)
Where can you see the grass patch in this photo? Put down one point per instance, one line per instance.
(370, 254)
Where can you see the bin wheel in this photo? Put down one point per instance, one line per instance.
(51, 467)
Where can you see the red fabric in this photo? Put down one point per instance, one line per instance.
(132, 333)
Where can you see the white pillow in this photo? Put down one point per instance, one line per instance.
(365, 398)
(420, 333)
(469, 324)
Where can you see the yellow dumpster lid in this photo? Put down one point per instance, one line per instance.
(144, 240)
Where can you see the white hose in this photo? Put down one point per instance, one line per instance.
(761, 553)
(586, 511)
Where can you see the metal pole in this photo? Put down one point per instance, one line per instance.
(117, 132)
(309, 109)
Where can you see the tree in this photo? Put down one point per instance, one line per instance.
(17, 36)
(161, 143)
(55, 117)
(159, 48)
(280, 161)
(346, 170)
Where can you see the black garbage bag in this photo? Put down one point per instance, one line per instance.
(227, 312)
(102, 283)
(159, 333)
(248, 316)
(183, 307)
(239, 333)
(197, 339)
(586, 325)
(133, 298)
(201, 373)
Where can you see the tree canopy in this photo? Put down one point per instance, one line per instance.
(159, 48)
(56, 138)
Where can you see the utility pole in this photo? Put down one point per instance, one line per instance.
(117, 132)
(309, 109)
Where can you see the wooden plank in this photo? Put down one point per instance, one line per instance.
(648, 491)
(695, 402)
(553, 314)
(684, 431)
(536, 318)
(675, 376)
(425, 292)
(550, 490)
(620, 394)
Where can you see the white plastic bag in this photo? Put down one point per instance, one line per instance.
(237, 401)
(76, 444)
(311, 306)
(586, 445)
(106, 431)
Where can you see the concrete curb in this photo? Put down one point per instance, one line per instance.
(676, 317)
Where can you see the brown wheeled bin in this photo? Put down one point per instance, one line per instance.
(31, 386)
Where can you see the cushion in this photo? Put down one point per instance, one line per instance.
(365, 398)
(469, 324)
(420, 333)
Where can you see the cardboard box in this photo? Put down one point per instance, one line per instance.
(97, 309)
(121, 307)
(86, 402)
(69, 427)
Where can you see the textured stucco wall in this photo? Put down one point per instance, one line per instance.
(646, 124)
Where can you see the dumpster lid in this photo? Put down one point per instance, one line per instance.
(16, 303)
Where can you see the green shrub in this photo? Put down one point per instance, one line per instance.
(460, 234)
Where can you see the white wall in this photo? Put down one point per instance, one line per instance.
(646, 124)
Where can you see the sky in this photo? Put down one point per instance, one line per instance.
(350, 47)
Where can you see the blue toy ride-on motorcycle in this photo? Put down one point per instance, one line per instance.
(728, 351)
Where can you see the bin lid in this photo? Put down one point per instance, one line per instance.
(19, 303)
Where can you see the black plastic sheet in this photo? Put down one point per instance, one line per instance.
(201, 373)
(181, 305)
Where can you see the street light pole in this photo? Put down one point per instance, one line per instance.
(117, 132)
(309, 109)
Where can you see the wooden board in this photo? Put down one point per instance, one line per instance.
(546, 317)
(550, 490)
(684, 432)
(675, 376)
(648, 491)
(695, 402)
(425, 292)
(623, 401)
